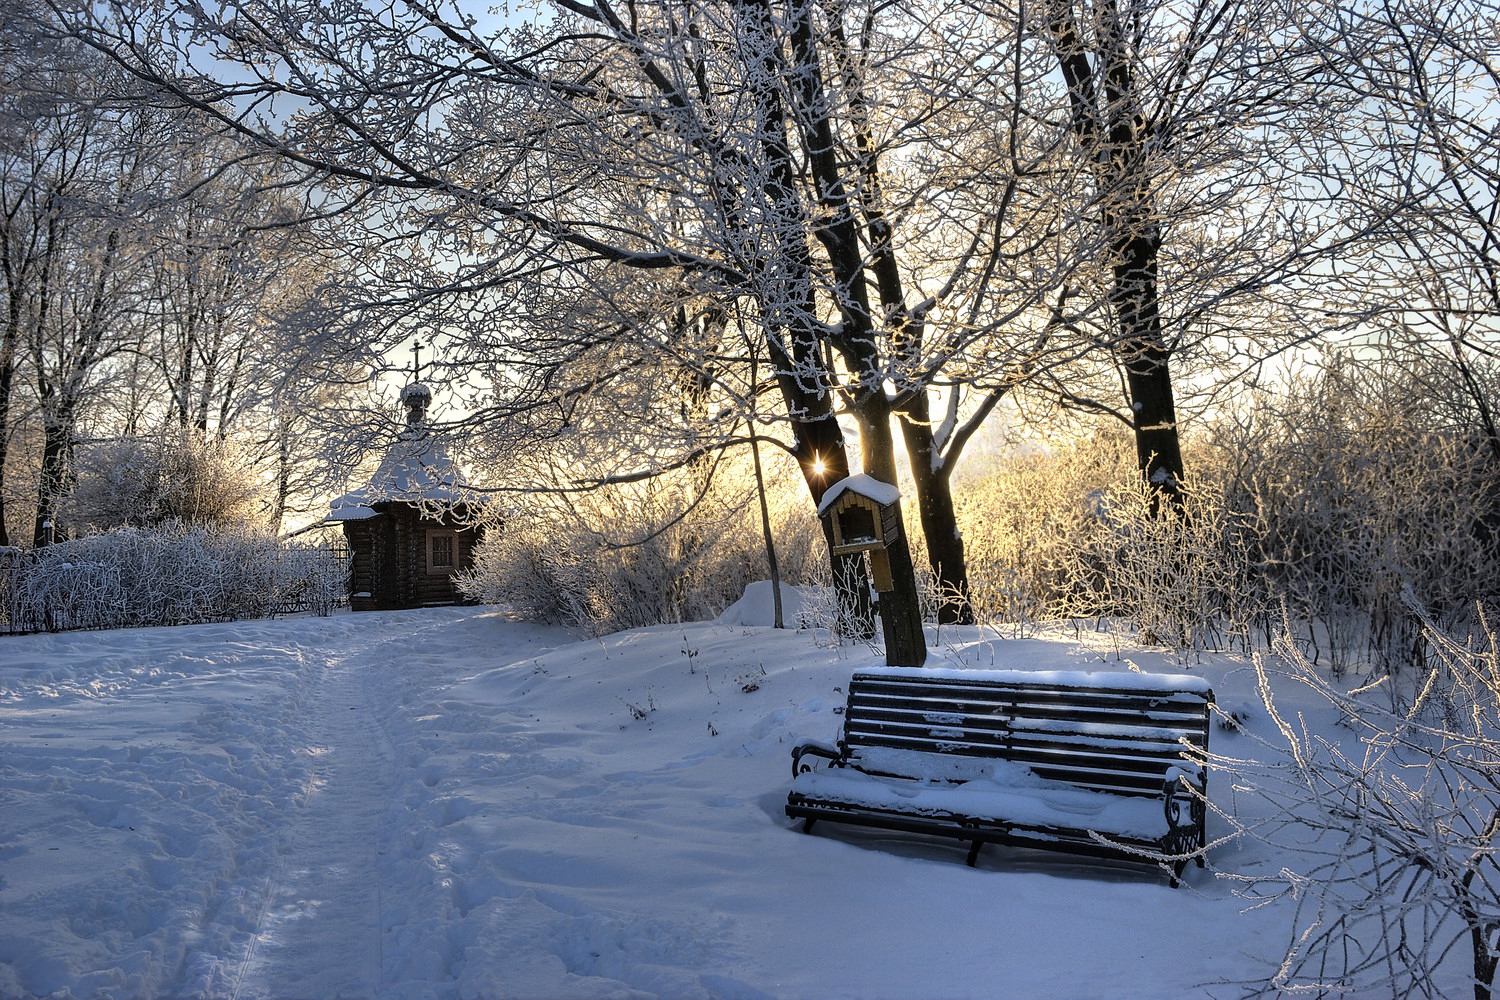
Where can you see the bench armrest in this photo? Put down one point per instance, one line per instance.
(1183, 797)
(814, 748)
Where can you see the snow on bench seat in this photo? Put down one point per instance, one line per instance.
(1012, 795)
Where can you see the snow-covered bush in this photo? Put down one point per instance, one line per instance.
(1077, 534)
(1386, 839)
(1024, 525)
(1362, 503)
(1177, 576)
(642, 554)
(172, 574)
(1337, 504)
(144, 482)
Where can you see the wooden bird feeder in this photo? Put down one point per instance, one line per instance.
(862, 514)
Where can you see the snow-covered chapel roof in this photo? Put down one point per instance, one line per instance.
(413, 471)
(416, 469)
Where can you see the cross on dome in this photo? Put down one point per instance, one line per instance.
(416, 397)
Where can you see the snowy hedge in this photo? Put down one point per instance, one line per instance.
(173, 574)
(153, 481)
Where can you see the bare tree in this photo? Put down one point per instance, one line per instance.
(33, 144)
(1427, 158)
(222, 249)
(71, 187)
(744, 150)
(1185, 130)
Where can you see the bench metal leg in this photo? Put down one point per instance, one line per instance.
(974, 852)
(807, 824)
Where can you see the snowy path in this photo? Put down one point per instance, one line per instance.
(241, 810)
(319, 932)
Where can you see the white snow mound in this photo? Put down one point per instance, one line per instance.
(756, 606)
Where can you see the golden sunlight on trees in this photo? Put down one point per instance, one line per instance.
(646, 234)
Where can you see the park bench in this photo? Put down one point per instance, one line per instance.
(1096, 764)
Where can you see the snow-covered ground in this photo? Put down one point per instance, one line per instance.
(447, 803)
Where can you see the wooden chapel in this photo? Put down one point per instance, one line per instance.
(413, 527)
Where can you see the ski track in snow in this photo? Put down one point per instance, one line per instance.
(247, 802)
(361, 901)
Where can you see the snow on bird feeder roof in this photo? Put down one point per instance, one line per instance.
(866, 486)
(862, 516)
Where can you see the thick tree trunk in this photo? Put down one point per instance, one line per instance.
(791, 312)
(1111, 132)
(1147, 365)
(7, 387)
(824, 459)
(56, 472)
(838, 232)
(900, 611)
(945, 549)
(945, 545)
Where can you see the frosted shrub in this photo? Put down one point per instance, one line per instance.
(126, 577)
(178, 477)
(644, 554)
(826, 607)
(60, 594)
(1361, 506)
(1345, 503)
(1076, 534)
(169, 575)
(309, 577)
(1386, 839)
(1023, 528)
(1176, 576)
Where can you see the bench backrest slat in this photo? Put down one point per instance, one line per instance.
(1167, 704)
(1123, 740)
(1084, 730)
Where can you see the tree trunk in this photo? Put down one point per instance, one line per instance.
(1107, 121)
(792, 323)
(900, 610)
(7, 387)
(945, 545)
(57, 467)
(283, 487)
(838, 232)
(772, 563)
(1147, 364)
(1484, 964)
(821, 454)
